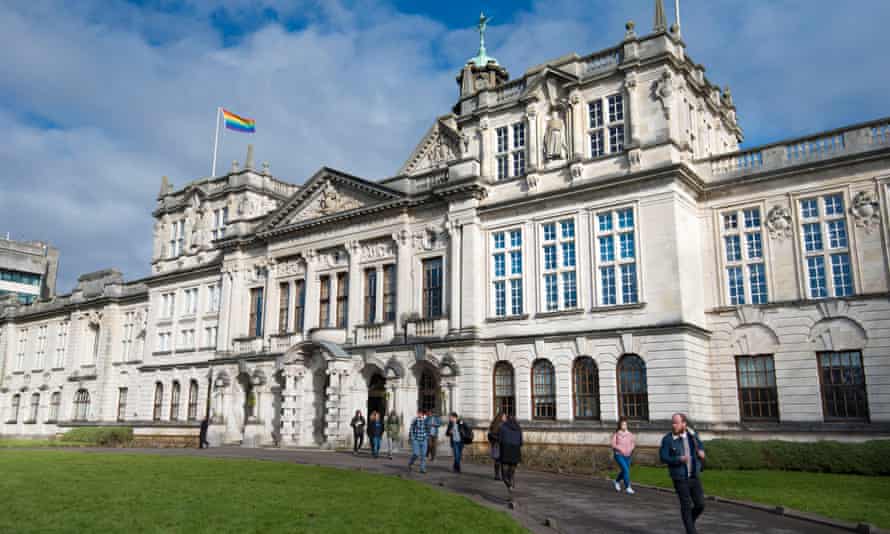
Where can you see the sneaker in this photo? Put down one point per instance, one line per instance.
(617, 486)
(630, 491)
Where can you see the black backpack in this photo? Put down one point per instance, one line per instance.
(466, 435)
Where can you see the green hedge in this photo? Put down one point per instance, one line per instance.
(867, 458)
(103, 436)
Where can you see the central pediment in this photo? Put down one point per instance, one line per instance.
(329, 193)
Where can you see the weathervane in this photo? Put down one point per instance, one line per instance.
(482, 58)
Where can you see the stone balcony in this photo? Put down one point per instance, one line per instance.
(375, 334)
(248, 345)
(283, 342)
(843, 142)
(428, 328)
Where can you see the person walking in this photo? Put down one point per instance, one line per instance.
(202, 435)
(358, 431)
(623, 443)
(458, 434)
(683, 453)
(419, 441)
(510, 443)
(493, 444)
(432, 423)
(393, 431)
(375, 432)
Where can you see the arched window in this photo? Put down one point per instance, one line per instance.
(428, 394)
(14, 414)
(543, 390)
(55, 401)
(633, 393)
(159, 399)
(174, 401)
(35, 406)
(81, 405)
(585, 385)
(193, 400)
(504, 389)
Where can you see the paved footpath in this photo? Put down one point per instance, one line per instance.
(577, 504)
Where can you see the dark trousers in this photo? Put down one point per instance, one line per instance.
(358, 439)
(431, 447)
(692, 501)
(457, 448)
(508, 471)
(204, 444)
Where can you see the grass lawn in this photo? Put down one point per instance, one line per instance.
(848, 497)
(59, 491)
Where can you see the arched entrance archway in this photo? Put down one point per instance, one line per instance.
(428, 391)
(376, 394)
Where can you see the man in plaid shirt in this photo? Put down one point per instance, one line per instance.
(418, 434)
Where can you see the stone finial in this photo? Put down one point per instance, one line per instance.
(266, 168)
(727, 97)
(165, 186)
(235, 165)
(248, 161)
(660, 19)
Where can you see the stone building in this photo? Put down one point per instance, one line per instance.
(583, 242)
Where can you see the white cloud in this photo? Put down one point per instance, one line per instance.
(132, 92)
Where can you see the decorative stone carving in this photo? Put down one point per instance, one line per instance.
(402, 238)
(430, 239)
(630, 81)
(662, 89)
(289, 268)
(778, 222)
(246, 207)
(329, 201)
(531, 181)
(865, 211)
(376, 251)
(576, 171)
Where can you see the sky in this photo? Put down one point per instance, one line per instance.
(100, 98)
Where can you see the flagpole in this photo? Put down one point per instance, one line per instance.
(215, 144)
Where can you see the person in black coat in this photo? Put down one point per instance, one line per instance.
(202, 435)
(510, 440)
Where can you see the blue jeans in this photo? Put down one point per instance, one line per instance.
(418, 450)
(624, 464)
(457, 448)
(375, 445)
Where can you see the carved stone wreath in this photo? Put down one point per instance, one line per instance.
(865, 211)
(778, 222)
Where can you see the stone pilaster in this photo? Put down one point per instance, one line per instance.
(310, 311)
(355, 303)
(454, 274)
(404, 263)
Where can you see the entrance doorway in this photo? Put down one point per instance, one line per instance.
(377, 395)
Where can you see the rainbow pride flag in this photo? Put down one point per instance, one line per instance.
(238, 123)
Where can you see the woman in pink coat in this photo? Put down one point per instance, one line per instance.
(623, 446)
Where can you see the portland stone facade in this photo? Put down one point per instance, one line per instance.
(582, 242)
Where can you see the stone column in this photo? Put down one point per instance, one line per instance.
(473, 268)
(454, 275)
(355, 315)
(378, 308)
(534, 154)
(404, 268)
(310, 310)
(577, 119)
(485, 152)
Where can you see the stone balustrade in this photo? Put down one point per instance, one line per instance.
(855, 139)
(600, 61)
(248, 345)
(374, 334)
(283, 342)
(428, 328)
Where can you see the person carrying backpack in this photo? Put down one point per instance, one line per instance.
(459, 434)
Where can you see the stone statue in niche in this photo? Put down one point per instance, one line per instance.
(555, 138)
(662, 90)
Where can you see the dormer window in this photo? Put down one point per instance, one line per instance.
(510, 153)
(606, 125)
(177, 238)
(220, 220)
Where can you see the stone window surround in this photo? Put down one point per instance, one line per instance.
(490, 278)
(799, 254)
(720, 251)
(574, 216)
(595, 258)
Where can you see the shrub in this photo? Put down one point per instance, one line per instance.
(868, 458)
(102, 436)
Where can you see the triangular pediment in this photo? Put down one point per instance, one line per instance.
(326, 194)
(440, 145)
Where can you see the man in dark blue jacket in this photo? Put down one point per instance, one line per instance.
(683, 453)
